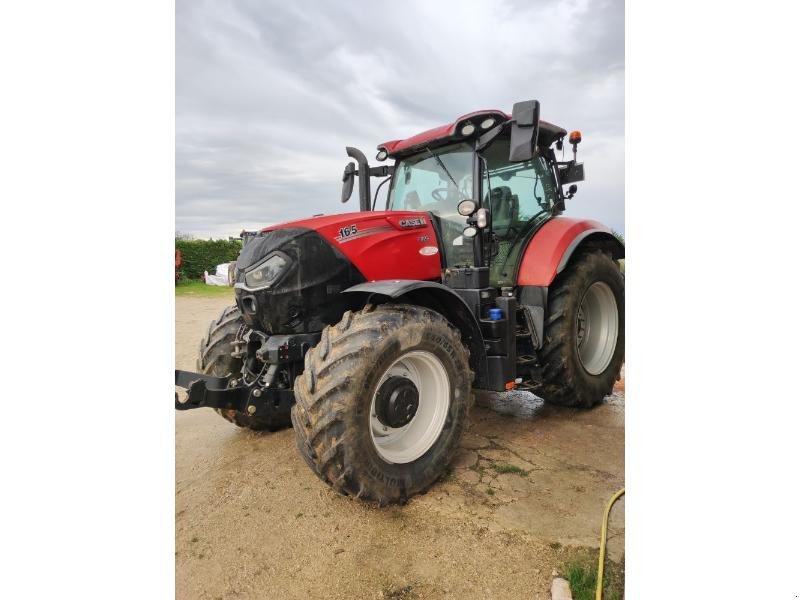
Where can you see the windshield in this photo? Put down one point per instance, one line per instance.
(436, 181)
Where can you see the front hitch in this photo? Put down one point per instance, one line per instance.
(227, 393)
(257, 391)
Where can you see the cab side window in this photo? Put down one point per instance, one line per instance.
(519, 195)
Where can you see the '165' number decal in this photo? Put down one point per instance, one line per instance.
(346, 232)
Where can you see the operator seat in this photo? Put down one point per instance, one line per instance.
(505, 210)
(412, 201)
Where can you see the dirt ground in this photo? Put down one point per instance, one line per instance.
(252, 521)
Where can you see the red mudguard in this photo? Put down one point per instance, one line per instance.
(551, 247)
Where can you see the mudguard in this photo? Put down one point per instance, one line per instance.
(443, 300)
(550, 249)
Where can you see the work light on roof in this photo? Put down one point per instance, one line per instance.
(486, 123)
(468, 129)
(382, 155)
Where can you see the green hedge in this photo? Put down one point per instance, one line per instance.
(204, 255)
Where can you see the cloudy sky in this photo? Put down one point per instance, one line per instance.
(268, 94)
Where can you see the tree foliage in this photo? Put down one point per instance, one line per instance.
(204, 255)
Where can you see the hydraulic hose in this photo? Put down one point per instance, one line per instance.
(603, 532)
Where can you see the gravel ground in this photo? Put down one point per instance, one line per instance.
(252, 521)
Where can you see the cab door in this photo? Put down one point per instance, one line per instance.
(521, 197)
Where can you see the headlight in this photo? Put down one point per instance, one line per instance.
(265, 273)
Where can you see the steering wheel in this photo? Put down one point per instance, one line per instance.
(439, 194)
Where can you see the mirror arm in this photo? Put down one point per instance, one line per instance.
(382, 171)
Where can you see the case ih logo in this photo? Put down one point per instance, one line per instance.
(415, 222)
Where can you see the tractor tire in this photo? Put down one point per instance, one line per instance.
(215, 359)
(584, 337)
(355, 417)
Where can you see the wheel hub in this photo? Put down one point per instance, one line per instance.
(409, 407)
(396, 402)
(596, 328)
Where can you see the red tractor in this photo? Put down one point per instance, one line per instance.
(368, 331)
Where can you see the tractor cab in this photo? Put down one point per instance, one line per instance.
(517, 198)
(489, 180)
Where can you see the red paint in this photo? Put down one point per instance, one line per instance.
(381, 248)
(540, 261)
(395, 147)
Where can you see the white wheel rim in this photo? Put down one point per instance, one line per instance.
(597, 323)
(406, 444)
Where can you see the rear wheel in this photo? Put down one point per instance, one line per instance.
(584, 342)
(215, 359)
(382, 402)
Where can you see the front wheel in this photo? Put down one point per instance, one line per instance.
(584, 338)
(382, 402)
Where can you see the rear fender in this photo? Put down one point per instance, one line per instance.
(551, 248)
(437, 297)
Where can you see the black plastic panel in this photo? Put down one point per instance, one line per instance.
(307, 295)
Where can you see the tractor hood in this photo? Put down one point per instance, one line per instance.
(381, 244)
(289, 277)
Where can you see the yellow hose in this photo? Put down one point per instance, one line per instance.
(603, 532)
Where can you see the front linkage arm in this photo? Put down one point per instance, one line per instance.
(216, 392)
(256, 394)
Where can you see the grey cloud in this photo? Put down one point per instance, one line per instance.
(268, 94)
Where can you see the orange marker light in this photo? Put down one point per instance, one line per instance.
(511, 385)
(575, 137)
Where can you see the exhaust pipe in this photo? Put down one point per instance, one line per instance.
(363, 178)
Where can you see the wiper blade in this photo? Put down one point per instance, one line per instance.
(441, 164)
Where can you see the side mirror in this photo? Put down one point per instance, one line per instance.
(524, 131)
(348, 180)
(571, 191)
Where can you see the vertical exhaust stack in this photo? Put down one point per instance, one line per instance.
(363, 178)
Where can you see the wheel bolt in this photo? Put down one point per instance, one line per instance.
(251, 410)
(257, 392)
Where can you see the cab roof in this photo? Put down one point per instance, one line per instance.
(548, 133)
